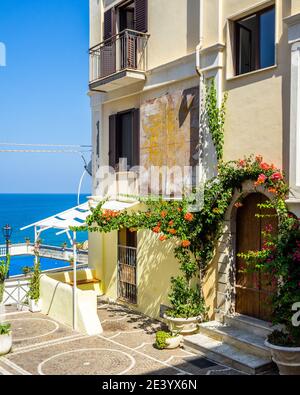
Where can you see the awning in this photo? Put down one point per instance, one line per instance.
(75, 216)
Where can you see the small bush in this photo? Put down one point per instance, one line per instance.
(282, 339)
(5, 329)
(161, 338)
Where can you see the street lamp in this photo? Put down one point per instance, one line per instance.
(7, 231)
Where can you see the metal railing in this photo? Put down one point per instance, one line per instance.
(127, 274)
(126, 50)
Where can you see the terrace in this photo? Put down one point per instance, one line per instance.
(42, 346)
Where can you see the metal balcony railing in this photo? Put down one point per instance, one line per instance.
(127, 274)
(126, 50)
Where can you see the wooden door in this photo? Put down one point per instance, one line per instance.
(253, 290)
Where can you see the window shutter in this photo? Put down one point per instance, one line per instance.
(136, 137)
(108, 23)
(141, 15)
(112, 141)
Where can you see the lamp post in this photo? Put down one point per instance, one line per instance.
(7, 231)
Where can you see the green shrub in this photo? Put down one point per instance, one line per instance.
(5, 329)
(161, 338)
(34, 286)
(4, 268)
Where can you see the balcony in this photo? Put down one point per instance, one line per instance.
(118, 61)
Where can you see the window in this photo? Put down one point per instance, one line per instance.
(124, 141)
(255, 41)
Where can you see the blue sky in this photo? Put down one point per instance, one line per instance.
(43, 92)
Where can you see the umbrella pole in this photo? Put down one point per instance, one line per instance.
(74, 283)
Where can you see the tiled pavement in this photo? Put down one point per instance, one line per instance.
(43, 346)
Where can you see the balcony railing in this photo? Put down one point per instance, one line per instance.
(124, 51)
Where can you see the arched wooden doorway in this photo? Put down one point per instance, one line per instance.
(253, 290)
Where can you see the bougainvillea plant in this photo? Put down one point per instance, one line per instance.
(280, 257)
(195, 234)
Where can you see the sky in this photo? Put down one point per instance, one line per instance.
(43, 93)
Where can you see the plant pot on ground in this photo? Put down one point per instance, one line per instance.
(5, 339)
(188, 307)
(165, 340)
(34, 288)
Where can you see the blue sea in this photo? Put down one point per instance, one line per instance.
(19, 210)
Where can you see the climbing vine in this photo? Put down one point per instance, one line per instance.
(195, 234)
(215, 116)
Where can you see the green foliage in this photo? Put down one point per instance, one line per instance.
(216, 117)
(161, 339)
(283, 339)
(4, 268)
(5, 329)
(186, 301)
(195, 234)
(34, 286)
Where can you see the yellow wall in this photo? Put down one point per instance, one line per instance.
(156, 265)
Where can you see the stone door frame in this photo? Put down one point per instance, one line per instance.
(226, 253)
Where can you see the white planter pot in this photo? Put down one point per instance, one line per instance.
(174, 342)
(5, 344)
(286, 358)
(184, 326)
(35, 306)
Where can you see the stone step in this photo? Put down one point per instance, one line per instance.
(239, 338)
(249, 324)
(227, 354)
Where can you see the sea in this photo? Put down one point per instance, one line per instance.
(19, 210)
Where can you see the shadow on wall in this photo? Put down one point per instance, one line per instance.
(156, 266)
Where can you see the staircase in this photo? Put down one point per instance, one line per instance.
(238, 343)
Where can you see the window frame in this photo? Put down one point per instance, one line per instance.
(236, 38)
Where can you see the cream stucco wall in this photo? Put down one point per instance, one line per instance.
(173, 27)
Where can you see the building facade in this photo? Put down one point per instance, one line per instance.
(149, 62)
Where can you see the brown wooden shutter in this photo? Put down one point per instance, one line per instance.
(108, 24)
(141, 15)
(136, 137)
(112, 154)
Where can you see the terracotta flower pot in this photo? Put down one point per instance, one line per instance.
(5, 344)
(184, 326)
(286, 358)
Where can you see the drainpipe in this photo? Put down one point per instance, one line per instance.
(199, 46)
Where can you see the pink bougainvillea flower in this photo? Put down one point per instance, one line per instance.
(276, 176)
(265, 166)
(261, 179)
(238, 204)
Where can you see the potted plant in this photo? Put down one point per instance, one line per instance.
(5, 338)
(188, 307)
(280, 256)
(33, 294)
(165, 340)
(4, 268)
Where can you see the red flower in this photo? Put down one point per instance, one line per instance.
(265, 166)
(172, 231)
(185, 243)
(277, 176)
(156, 229)
(171, 223)
(242, 163)
(238, 204)
(272, 190)
(162, 238)
(189, 217)
(179, 209)
(261, 179)
(164, 214)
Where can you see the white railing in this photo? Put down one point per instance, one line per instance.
(15, 292)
